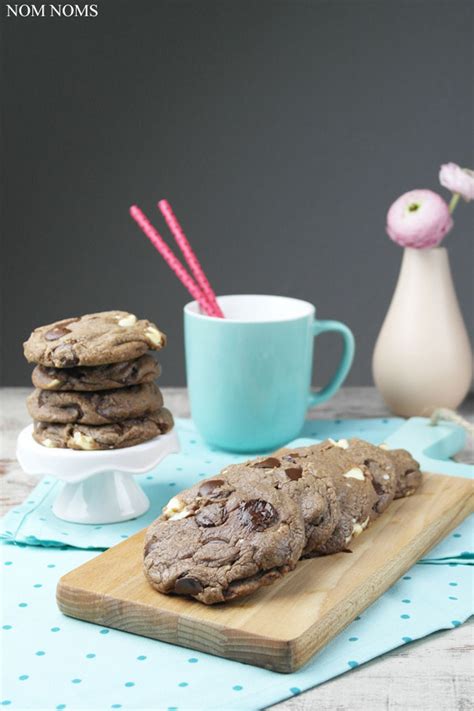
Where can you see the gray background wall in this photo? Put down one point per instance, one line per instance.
(281, 131)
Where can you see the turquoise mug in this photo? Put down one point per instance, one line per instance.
(249, 374)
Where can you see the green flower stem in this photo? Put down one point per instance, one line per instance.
(454, 202)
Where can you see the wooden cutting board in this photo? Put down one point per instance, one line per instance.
(281, 626)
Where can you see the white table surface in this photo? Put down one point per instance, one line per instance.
(433, 674)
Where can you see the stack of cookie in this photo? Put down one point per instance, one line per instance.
(228, 536)
(94, 382)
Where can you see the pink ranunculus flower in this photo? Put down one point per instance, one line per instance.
(458, 180)
(419, 219)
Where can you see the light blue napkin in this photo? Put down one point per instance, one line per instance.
(55, 662)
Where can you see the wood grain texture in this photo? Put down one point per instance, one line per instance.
(282, 626)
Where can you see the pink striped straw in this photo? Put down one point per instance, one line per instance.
(170, 258)
(191, 258)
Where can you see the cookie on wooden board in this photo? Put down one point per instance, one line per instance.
(381, 468)
(227, 536)
(408, 472)
(354, 491)
(223, 538)
(316, 496)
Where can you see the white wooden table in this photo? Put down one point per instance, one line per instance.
(434, 674)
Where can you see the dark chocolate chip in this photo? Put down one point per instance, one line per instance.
(74, 411)
(148, 546)
(258, 514)
(120, 367)
(269, 463)
(412, 477)
(212, 515)
(384, 500)
(53, 373)
(126, 373)
(66, 357)
(56, 333)
(79, 411)
(379, 489)
(188, 586)
(294, 473)
(73, 372)
(207, 487)
(106, 410)
(377, 472)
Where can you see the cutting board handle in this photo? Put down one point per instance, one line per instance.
(432, 445)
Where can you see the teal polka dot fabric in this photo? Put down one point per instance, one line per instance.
(56, 662)
(78, 667)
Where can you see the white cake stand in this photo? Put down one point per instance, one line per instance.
(98, 484)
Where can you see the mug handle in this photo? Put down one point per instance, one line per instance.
(343, 367)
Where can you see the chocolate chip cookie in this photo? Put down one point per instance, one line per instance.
(93, 339)
(229, 535)
(407, 470)
(101, 377)
(115, 436)
(354, 491)
(99, 408)
(316, 497)
(223, 538)
(381, 468)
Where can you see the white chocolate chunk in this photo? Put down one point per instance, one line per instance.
(52, 384)
(357, 530)
(355, 473)
(47, 442)
(129, 320)
(384, 446)
(154, 336)
(173, 506)
(341, 443)
(386, 477)
(359, 527)
(182, 514)
(83, 441)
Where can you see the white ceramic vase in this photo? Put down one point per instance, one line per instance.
(422, 359)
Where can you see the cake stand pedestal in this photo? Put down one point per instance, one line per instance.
(98, 485)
